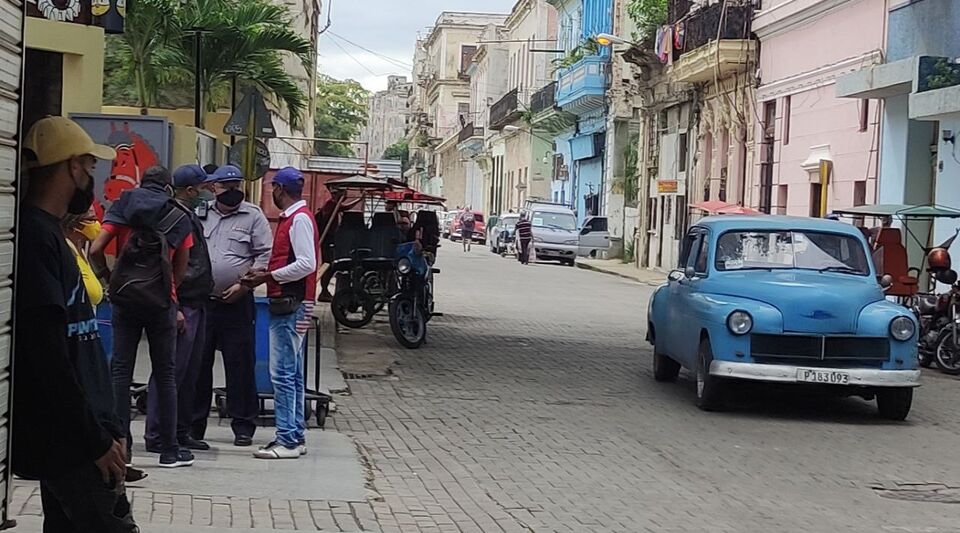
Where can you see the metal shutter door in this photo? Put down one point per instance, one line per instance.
(11, 67)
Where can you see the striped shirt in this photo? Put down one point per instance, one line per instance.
(524, 230)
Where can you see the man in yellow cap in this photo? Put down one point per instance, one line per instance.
(79, 455)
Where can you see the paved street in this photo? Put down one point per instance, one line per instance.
(533, 408)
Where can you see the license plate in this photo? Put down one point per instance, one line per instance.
(810, 375)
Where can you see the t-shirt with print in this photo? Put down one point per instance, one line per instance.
(77, 392)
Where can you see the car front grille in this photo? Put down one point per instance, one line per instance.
(831, 351)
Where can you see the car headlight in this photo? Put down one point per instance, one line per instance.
(739, 322)
(404, 266)
(537, 239)
(902, 328)
(571, 242)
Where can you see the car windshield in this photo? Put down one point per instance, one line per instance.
(561, 221)
(509, 223)
(808, 250)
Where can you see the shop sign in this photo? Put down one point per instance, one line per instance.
(667, 186)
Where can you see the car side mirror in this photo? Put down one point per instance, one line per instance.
(676, 275)
(886, 281)
(689, 273)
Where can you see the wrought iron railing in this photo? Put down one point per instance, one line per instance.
(505, 110)
(469, 131)
(721, 20)
(545, 98)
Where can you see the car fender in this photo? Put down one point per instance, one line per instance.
(874, 321)
(710, 312)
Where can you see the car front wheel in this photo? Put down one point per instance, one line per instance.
(709, 388)
(894, 403)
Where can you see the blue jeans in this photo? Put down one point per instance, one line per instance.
(286, 373)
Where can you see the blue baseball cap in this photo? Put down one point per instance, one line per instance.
(290, 178)
(226, 173)
(188, 176)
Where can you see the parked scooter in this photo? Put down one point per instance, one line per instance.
(947, 351)
(412, 306)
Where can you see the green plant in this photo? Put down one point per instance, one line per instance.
(527, 116)
(399, 150)
(648, 16)
(340, 113)
(628, 252)
(244, 39)
(944, 74)
(586, 48)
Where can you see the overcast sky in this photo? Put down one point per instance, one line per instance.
(386, 27)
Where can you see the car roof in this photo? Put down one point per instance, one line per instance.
(722, 223)
(545, 208)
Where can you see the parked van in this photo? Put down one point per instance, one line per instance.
(556, 236)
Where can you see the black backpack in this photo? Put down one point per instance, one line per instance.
(143, 275)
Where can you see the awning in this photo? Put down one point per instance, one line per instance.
(901, 211)
(718, 207)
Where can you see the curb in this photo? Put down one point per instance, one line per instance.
(601, 270)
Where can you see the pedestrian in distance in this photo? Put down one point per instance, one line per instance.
(193, 292)
(79, 457)
(467, 225)
(238, 239)
(524, 235)
(291, 279)
(154, 238)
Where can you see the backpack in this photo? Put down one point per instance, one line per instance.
(143, 274)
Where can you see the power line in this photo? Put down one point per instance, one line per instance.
(378, 54)
(355, 60)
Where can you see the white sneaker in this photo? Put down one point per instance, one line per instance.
(303, 449)
(277, 451)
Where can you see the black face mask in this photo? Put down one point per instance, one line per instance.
(82, 198)
(230, 198)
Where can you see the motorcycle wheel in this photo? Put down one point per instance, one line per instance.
(373, 286)
(948, 353)
(351, 308)
(407, 323)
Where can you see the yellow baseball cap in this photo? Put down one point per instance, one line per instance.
(56, 139)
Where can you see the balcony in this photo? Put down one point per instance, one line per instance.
(581, 88)
(504, 111)
(544, 99)
(705, 57)
(470, 140)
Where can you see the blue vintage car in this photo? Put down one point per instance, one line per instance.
(782, 299)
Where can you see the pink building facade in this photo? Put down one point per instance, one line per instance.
(805, 45)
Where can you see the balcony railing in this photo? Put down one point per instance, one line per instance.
(544, 99)
(937, 73)
(704, 25)
(468, 132)
(504, 111)
(581, 87)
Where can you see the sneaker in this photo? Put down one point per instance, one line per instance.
(276, 450)
(176, 459)
(134, 475)
(302, 447)
(191, 443)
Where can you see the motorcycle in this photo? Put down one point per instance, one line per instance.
(947, 351)
(411, 307)
(932, 315)
(361, 292)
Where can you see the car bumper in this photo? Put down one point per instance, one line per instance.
(859, 377)
(559, 251)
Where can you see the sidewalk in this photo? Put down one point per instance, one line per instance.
(227, 489)
(616, 267)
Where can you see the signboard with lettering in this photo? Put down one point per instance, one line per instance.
(667, 186)
(108, 14)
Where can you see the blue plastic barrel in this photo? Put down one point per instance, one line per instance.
(105, 326)
(262, 344)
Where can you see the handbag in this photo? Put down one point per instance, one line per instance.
(284, 305)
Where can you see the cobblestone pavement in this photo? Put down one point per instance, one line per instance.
(533, 408)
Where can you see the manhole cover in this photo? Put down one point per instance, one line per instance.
(919, 492)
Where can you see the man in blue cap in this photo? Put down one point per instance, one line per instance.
(291, 279)
(193, 291)
(238, 236)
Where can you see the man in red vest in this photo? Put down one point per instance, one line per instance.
(291, 279)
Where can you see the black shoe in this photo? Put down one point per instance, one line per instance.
(191, 443)
(243, 440)
(176, 459)
(134, 475)
(154, 448)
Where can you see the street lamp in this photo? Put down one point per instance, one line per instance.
(608, 39)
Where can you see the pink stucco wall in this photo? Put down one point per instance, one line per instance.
(802, 63)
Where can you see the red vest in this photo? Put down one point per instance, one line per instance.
(283, 255)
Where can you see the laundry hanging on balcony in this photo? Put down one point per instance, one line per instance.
(664, 43)
(679, 32)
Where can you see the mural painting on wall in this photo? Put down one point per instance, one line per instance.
(140, 142)
(109, 14)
